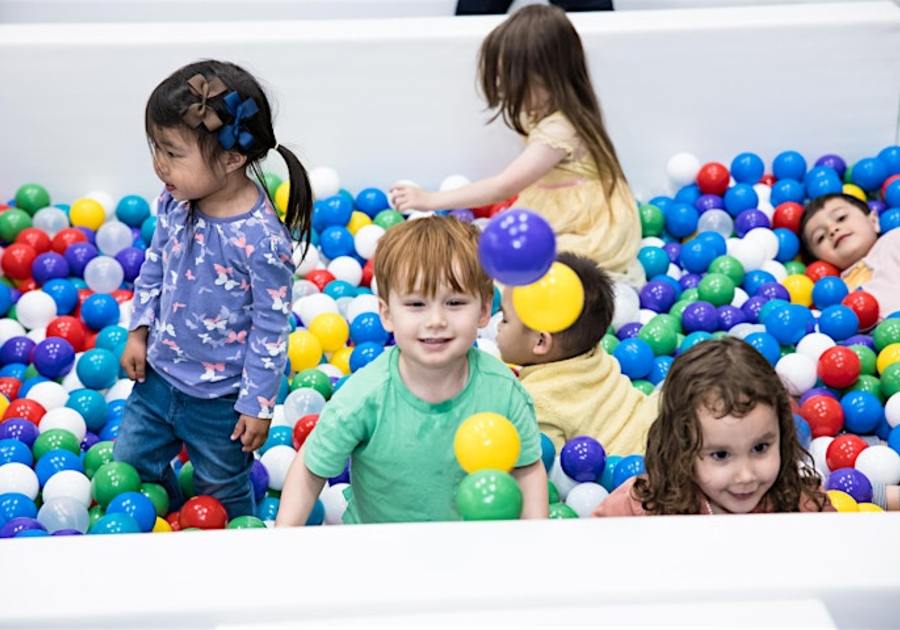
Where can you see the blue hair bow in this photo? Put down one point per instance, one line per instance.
(232, 134)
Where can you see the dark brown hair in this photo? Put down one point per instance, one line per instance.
(422, 253)
(538, 46)
(597, 312)
(815, 206)
(726, 377)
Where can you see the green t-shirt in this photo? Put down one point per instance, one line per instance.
(403, 464)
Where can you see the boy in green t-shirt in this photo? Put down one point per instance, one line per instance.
(397, 417)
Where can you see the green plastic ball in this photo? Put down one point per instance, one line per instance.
(387, 219)
(886, 333)
(32, 197)
(552, 492)
(245, 522)
(99, 454)
(12, 222)
(659, 336)
(272, 183)
(158, 497)
(643, 386)
(53, 439)
(794, 267)
(867, 358)
(729, 266)
(489, 495)
(890, 381)
(186, 479)
(112, 479)
(561, 510)
(313, 379)
(868, 383)
(609, 343)
(653, 221)
(717, 289)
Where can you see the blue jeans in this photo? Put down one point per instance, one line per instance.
(159, 417)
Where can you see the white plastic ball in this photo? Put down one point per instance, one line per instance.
(343, 303)
(892, 410)
(626, 305)
(818, 448)
(776, 269)
(50, 220)
(112, 237)
(10, 328)
(418, 214)
(126, 311)
(50, 394)
(742, 330)
(489, 332)
(674, 271)
(362, 304)
(765, 239)
(346, 268)
(331, 371)
(302, 402)
(585, 497)
(278, 418)
(814, 344)
(302, 288)
(766, 208)
(747, 253)
(879, 463)
(682, 169)
(17, 477)
(68, 483)
(276, 461)
(37, 335)
(335, 503)
(491, 347)
(561, 480)
(763, 192)
(740, 296)
(64, 418)
(325, 182)
(121, 390)
(481, 223)
(303, 264)
(311, 306)
(106, 200)
(71, 381)
(645, 315)
(717, 221)
(103, 274)
(64, 513)
(652, 241)
(373, 286)
(797, 373)
(366, 240)
(35, 309)
(452, 182)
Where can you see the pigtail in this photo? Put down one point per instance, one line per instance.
(298, 213)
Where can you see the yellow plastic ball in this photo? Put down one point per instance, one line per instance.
(888, 356)
(842, 502)
(4, 403)
(331, 330)
(161, 526)
(282, 193)
(486, 440)
(358, 220)
(341, 359)
(854, 191)
(869, 507)
(87, 213)
(800, 287)
(304, 350)
(551, 304)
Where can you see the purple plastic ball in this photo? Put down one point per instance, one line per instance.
(463, 214)
(709, 202)
(17, 350)
(66, 532)
(853, 482)
(859, 340)
(658, 296)
(78, 255)
(700, 316)
(20, 429)
(19, 524)
(752, 307)
(833, 161)
(673, 249)
(48, 266)
(689, 281)
(583, 459)
(131, 259)
(89, 440)
(259, 478)
(517, 247)
(817, 391)
(773, 290)
(629, 331)
(730, 316)
(877, 206)
(750, 219)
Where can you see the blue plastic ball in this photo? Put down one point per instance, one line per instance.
(267, 509)
(372, 201)
(136, 505)
(367, 327)
(753, 280)
(132, 210)
(869, 173)
(851, 481)
(635, 357)
(116, 523)
(55, 461)
(889, 220)
(91, 405)
(804, 433)
(709, 202)
(890, 157)
(16, 505)
(696, 256)
(548, 452)
(739, 198)
(691, 340)
(787, 324)
(99, 311)
(838, 322)
(730, 316)
(281, 435)
(63, 292)
(654, 260)
(788, 165)
(628, 467)
(97, 368)
(681, 219)
(688, 194)
(822, 180)
(788, 245)
(892, 194)
(766, 345)
(331, 211)
(747, 168)
(660, 369)
(363, 354)
(786, 190)
(862, 412)
(336, 241)
(13, 451)
(829, 290)
(17, 350)
(53, 357)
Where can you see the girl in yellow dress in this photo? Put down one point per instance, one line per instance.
(533, 71)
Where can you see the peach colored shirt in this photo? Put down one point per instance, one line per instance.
(879, 273)
(622, 503)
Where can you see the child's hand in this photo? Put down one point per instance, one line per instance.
(134, 357)
(406, 198)
(252, 431)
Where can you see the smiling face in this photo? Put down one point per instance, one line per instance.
(739, 459)
(840, 233)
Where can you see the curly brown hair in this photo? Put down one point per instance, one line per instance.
(727, 377)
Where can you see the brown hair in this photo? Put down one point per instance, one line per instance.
(538, 45)
(597, 312)
(421, 254)
(815, 206)
(727, 377)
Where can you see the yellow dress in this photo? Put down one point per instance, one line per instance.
(572, 199)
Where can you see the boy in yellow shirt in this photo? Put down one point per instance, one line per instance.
(578, 389)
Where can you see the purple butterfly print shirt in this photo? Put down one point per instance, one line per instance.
(216, 296)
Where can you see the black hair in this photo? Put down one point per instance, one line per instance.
(597, 313)
(815, 206)
(172, 98)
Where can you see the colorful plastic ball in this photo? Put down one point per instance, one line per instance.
(486, 440)
(48, 266)
(880, 464)
(789, 164)
(517, 247)
(19, 525)
(130, 260)
(12, 450)
(717, 221)
(712, 178)
(788, 324)
(717, 289)
(862, 412)
(53, 357)
(681, 219)
(749, 220)
(834, 162)
(302, 402)
(786, 190)
(203, 512)
(797, 372)
(869, 173)
(838, 322)
(32, 197)
(688, 194)
(112, 237)
(654, 260)
(137, 505)
(372, 201)
(700, 316)
(828, 291)
(864, 305)
(331, 330)
(800, 289)
(99, 311)
(78, 255)
(586, 497)
(843, 451)
(628, 467)
(662, 338)
(653, 220)
(116, 523)
(561, 510)
(368, 327)
(583, 458)
(363, 354)
(852, 482)
(489, 495)
(658, 296)
(35, 309)
(304, 350)
(12, 223)
(885, 334)
(824, 415)
(19, 429)
(16, 505)
(635, 358)
(336, 241)
(63, 293)
(804, 433)
(112, 479)
(696, 256)
(97, 368)
(16, 350)
(766, 345)
(842, 502)
(890, 355)
(55, 461)
(747, 168)
(838, 367)
(551, 304)
(86, 212)
(132, 210)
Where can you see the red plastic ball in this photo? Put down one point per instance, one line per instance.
(69, 328)
(25, 408)
(172, 520)
(788, 215)
(9, 387)
(35, 237)
(713, 178)
(824, 415)
(17, 259)
(768, 179)
(121, 295)
(843, 451)
(819, 269)
(183, 456)
(303, 428)
(26, 285)
(368, 272)
(865, 306)
(203, 512)
(91, 340)
(320, 278)
(839, 367)
(66, 237)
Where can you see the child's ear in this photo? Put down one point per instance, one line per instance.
(543, 343)
(234, 161)
(485, 315)
(385, 313)
(873, 217)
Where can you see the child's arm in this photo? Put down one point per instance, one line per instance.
(533, 163)
(299, 494)
(533, 482)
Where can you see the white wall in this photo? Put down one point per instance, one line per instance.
(387, 99)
